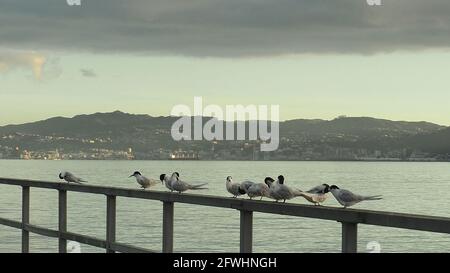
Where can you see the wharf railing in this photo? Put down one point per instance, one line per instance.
(349, 218)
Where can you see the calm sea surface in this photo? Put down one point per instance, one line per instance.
(419, 188)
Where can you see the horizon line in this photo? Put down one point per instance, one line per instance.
(246, 120)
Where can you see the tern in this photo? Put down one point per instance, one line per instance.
(346, 198)
(317, 194)
(245, 185)
(144, 181)
(69, 177)
(233, 187)
(181, 186)
(167, 180)
(259, 190)
(279, 191)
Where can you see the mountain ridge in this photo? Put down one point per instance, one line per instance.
(150, 137)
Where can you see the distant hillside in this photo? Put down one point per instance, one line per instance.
(363, 126)
(98, 124)
(437, 142)
(149, 137)
(109, 124)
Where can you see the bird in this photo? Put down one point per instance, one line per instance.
(245, 185)
(269, 181)
(233, 187)
(181, 186)
(320, 189)
(167, 180)
(69, 177)
(279, 191)
(346, 198)
(144, 181)
(258, 190)
(317, 194)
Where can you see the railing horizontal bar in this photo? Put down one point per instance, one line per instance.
(41, 231)
(11, 223)
(83, 239)
(377, 218)
(125, 248)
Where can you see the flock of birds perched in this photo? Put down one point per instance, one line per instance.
(271, 188)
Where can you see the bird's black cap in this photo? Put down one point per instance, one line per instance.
(268, 179)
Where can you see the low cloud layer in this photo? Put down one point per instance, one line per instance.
(226, 28)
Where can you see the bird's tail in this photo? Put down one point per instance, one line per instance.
(199, 187)
(374, 197)
(298, 192)
(306, 196)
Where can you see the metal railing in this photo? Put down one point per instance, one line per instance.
(349, 218)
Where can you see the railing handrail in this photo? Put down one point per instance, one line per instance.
(348, 217)
(368, 217)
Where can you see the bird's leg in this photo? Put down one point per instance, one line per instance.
(260, 198)
(284, 200)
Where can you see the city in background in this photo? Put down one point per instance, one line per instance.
(122, 136)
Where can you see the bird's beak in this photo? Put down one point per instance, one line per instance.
(130, 176)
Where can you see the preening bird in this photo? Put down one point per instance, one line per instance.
(167, 180)
(279, 191)
(70, 178)
(346, 198)
(258, 190)
(245, 185)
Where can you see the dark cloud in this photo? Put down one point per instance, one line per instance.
(226, 28)
(89, 73)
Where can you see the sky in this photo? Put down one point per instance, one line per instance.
(313, 58)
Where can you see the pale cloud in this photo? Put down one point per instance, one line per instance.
(33, 61)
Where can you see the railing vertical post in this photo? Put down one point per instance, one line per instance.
(349, 237)
(246, 230)
(167, 243)
(62, 219)
(110, 222)
(25, 218)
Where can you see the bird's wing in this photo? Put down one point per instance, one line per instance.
(72, 178)
(348, 196)
(284, 191)
(179, 184)
(246, 185)
(148, 181)
(317, 189)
